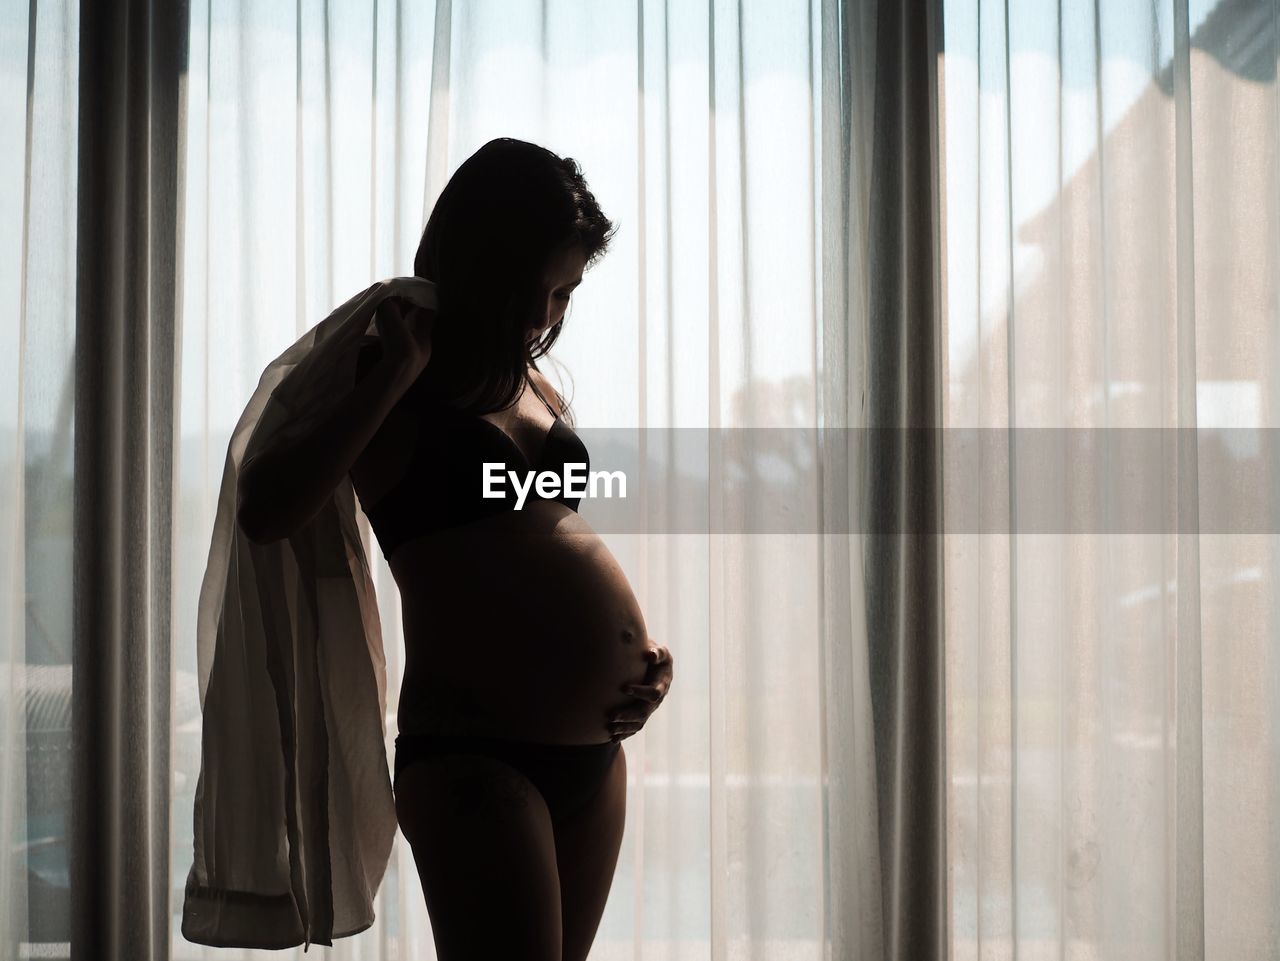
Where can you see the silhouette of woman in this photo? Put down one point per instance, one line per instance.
(527, 659)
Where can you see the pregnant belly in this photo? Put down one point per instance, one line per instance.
(521, 626)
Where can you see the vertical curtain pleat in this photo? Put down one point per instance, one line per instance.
(1185, 896)
(132, 57)
(901, 480)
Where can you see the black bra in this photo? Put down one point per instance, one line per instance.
(443, 484)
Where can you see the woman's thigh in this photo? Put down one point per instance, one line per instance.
(587, 846)
(485, 850)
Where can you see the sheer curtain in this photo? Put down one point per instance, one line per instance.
(1113, 682)
(316, 148)
(91, 163)
(880, 743)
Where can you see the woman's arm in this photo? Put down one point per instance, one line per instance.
(281, 490)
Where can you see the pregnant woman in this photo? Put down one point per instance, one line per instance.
(527, 660)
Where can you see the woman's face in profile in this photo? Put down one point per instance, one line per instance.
(563, 274)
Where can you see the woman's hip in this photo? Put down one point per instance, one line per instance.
(567, 776)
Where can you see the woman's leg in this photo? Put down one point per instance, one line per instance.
(587, 845)
(482, 839)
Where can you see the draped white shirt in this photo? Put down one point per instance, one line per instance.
(294, 815)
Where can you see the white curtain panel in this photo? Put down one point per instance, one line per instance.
(1113, 676)
(318, 140)
(38, 154)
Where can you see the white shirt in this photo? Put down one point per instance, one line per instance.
(294, 815)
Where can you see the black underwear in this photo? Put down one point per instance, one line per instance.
(566, 775)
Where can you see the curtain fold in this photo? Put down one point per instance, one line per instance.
(128, 288)
(901, 487)
(882, 340)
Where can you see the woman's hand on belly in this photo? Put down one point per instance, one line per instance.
(646, 697)
(532, 615)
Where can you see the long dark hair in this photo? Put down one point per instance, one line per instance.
(493, 230)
